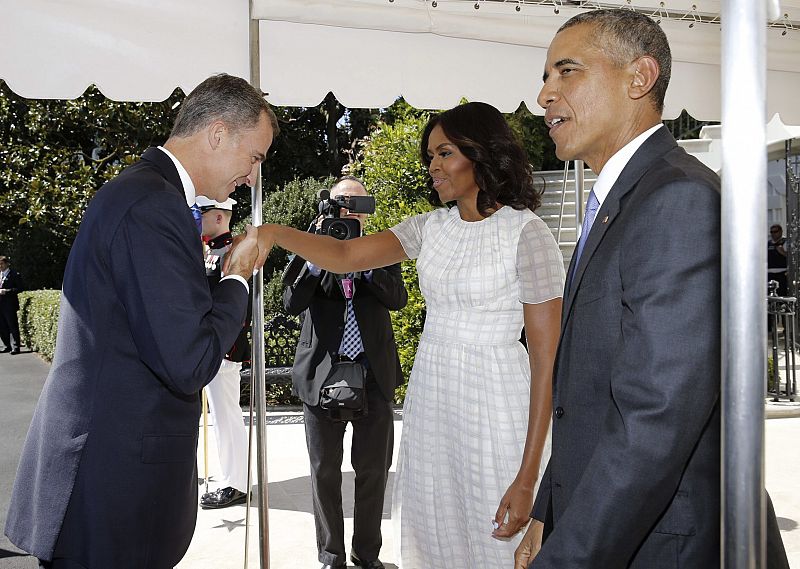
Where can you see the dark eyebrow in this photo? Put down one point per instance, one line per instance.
(440, 146)
(558, 64)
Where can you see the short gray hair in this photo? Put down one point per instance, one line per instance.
(632, 35)
(222, 97)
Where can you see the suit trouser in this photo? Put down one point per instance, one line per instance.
(371, 457)
(231, 434)
(9, 328)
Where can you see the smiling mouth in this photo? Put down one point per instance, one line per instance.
(438, 182)
(555, 122)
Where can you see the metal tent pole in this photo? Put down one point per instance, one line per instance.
(744, 216)
(257, 370)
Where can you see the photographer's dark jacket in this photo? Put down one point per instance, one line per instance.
(321, 300)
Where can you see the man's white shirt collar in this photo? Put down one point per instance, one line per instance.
(616, 164)
(188, 189)
(186, 180)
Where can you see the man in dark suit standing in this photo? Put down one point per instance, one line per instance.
(10, 287)
(633, 480)
(327, 318)
(108, 475)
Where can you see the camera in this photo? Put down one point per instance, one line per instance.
(330, 209)
(332, 224)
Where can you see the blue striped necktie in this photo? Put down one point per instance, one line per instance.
(592, 205)
(198, 217)
(351, 344)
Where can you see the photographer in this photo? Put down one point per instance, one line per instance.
(346, 319)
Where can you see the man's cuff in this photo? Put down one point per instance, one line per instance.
(238, 278)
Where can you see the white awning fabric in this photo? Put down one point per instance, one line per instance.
(368, 52)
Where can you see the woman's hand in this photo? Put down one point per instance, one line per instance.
(517, 502)
(266, 239)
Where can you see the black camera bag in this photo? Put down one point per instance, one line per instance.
(344, 391)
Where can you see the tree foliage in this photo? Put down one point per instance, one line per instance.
(54, 155)
(392, 171)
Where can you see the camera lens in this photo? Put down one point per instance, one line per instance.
(338, 230)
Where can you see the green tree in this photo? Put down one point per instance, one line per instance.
(393, 173)
(54, 155)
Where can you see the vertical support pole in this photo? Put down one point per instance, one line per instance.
(258, 371)
(744, 216)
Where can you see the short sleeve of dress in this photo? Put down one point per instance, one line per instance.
(540, 265)
(409, 233)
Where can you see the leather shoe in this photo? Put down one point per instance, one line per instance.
(5, 350)
(327, 566)
(14, 352)
(222, 498)
(374, 564)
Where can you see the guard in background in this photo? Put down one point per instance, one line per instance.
(776, 258)
(337, 329)
(10, 287)
(223, 391)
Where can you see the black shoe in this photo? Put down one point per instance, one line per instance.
(327, 566)
(223, 498)
(14, 352)
(5, 350)
(375, 564)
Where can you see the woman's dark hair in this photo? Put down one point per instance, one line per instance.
(502, 171)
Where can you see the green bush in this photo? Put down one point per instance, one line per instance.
(38, 320)
(393, 173)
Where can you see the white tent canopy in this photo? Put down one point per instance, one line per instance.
(707, 147)
(368, 52)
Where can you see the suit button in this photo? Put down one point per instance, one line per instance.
(559, 412)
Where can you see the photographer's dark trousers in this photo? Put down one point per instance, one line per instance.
(371, 457)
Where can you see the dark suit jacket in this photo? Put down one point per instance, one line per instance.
(9, 302)
(324, 305)
(109, 461)
(633, 480)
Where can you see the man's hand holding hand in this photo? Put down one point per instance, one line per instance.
(241, 259)
(529, 546)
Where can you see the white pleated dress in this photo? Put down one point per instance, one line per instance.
(466, 409)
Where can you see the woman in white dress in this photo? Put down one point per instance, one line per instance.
(486, 267)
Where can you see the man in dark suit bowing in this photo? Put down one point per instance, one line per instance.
(108, 476)
(346, 318)
(633, 480)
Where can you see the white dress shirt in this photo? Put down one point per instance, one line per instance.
(613, 168)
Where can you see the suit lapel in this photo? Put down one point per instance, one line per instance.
(658, 144)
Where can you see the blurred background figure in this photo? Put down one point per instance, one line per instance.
(776, 258)
(10, 287)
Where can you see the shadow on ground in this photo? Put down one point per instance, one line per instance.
(294, 495)
(786, 524)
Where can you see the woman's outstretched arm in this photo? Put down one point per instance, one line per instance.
(334, 255)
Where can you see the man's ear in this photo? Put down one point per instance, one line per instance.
(220, 219)
(645, 72)
(216, 133)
